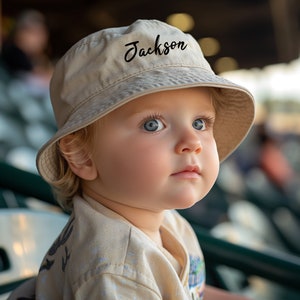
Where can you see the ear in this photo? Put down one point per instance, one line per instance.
(78, 160)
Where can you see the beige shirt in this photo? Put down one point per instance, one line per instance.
(100, 255)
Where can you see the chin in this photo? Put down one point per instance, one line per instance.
(184, 204)
(187, 199)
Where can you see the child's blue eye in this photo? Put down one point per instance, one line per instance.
(199, 124)
(153, 125)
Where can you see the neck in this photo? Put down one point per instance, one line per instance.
(146, 220)
(149, 223)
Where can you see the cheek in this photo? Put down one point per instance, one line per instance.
(142, 164)
(132, 168)
(214, 162)
(210, 158)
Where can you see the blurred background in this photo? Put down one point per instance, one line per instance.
(256, 200)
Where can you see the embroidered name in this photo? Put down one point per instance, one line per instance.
(157, 49)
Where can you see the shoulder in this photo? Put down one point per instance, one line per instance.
(100, 247)
(89, 239)
(103, 233)
(99, 233)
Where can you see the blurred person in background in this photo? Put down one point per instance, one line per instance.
(24, 53)
(273, 161)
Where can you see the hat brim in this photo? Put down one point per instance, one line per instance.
(235, 111)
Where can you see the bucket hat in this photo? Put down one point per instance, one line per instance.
(113, 66)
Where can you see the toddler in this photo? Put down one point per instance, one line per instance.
(143, 124)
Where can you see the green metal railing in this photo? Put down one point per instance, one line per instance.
(25, 183)
(279, 268)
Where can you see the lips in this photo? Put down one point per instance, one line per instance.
(189, 172)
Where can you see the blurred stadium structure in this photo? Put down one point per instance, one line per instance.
(249, 205)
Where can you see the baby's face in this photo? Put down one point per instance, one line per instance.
(157, 152)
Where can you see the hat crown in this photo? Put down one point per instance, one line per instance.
(109, 56)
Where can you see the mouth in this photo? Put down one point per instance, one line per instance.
(189, 172)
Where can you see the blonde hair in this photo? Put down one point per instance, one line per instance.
(76, 150)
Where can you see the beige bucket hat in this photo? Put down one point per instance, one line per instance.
(114, 66)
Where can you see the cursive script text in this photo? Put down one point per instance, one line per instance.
(157, 49)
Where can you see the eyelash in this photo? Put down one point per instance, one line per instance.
(209, 121)
(153, 116)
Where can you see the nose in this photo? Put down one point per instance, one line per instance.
(189, 142)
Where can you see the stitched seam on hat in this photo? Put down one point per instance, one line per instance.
(127, 77)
